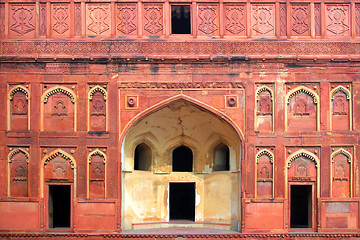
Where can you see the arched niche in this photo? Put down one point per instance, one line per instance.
(96, 174)
(18, 160)
(142, 157)
(180, 123)
(19, 108)
(58, 109)
(97, 109)
(341, 173)
(221, 157)
(341, 113)
(302, 110)
(264, 109)
(264, 174)
(182, 159)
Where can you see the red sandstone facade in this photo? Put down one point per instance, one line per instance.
(281, 78)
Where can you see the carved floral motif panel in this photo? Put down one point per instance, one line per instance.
(283, 19)
(337, 19)
(153, 19)
(60, 19)
(78, 21)
(126, 19)
(263, 20)
(208, 20)
(235, 19)
(22, 20)
(98, 19)
(300, 19)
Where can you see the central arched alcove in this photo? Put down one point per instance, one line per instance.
(187, 144)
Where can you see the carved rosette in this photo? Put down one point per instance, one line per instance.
(22, 20)
(338, 19)
(98, 19)
(235, 20)
(208, 20)
(263, 20)
(153, 19)
(60, 19)
(300, 19)
(126, 19)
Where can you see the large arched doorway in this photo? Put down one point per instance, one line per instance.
(183, 140)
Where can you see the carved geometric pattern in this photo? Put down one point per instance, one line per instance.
(43, 23)
(23, 19)
(263, 19)
(2, 19)
(19, 104)
(98, 19)
(338, 15)
(62, 154)
(153, 18)
(340, 105)
(264, 102)
(235, 19)
(357, 19)
(127, 18)
(18, 160)
(207, 16)
(77, 19)
(303, 153)
(182, 85)
(59, 90)
(317, 13)
(283, 19)
(97, 160)
(60, 18)
(304, 90)
(300, 18)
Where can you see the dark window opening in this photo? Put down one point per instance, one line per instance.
(221, 158)
(301, 206)
(59, 206)
(142, 157)
(180, 19)
(182, 201)
(182, 159)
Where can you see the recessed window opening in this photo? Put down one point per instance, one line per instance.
(301, 206)
(221, 158)
(142, 157)
(180, 19)
(182, 201)
(59, 206)
(182, 159)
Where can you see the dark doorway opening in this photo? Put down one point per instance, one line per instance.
(180, 19)
(59, 206)
(182, 159)
(182, 201)
(301, 206)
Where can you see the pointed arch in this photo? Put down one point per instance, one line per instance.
(340, 89)
(309, 155)
(349, 159)
(52, 91)
(11, 154)
(11, 93)
(91, 92)
(260, 90)
(47, 158)
(309, 92)
(264, 152)
(258, 155)
(95, 89)
(347, 93)
(264, 89)
(91, 154)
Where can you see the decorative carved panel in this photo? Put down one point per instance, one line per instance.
(19, 108)
(22, 20)
(262, 20)
(96, 181)
(18, 165)
(302, 169)
(264, 168)
(208, 20)
(132, 102)
(153, 19)
(126, 18)
(60, 22)
(340, 108)
(58, 166)
(317, 16)
(98, 19)
(59, 109)
(302, 114)
(338, 19)
(341, 171)
(283, 19)
(43, 22)
(78, 19)
(97, 109)
(300, 19)
(2, 19)
(264, 108)
(357, 19)
(235, 20)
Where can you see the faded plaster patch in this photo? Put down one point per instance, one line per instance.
(197, 199)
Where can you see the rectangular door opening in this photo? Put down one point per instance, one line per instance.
(182, 201)
(301, 206)
(59, 206)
